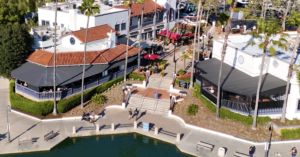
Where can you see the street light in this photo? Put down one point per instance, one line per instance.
(8, 109)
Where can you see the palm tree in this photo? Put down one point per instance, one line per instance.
(293, 21)
(140, 33)
(269, 31)
(285, 14)
(194, 48)
(185, 57)
(54, 69)
(127, 3)
(227, 31)
(87, 8)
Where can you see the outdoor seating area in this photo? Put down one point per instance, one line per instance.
(238, 89)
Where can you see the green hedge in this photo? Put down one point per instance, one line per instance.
(290, 133)
(137, 76)
(43, 108)
(225, 113)
(19, 102)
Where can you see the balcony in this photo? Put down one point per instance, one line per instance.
(146, 25)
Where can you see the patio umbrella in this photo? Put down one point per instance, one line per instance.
(175, 36)
(151, 56)
(189, 34)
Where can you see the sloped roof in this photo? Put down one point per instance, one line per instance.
(136, 8)
(94, 33)
(45, 58)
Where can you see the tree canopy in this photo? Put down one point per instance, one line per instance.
(11, 11)
(15, 42)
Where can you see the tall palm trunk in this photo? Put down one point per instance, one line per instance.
(140, 34)
(289, 77)
(128, 28)
(228, 28)
(54, 68)
(155, 22)
(199, 29)
(285, 14)
(167, 26)
(254, 125)
(83, 70)
(194, 48)
(265, 11)
(207, 17)
(263, 8)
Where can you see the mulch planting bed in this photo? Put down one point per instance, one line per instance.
(206, 119)
(295, 121)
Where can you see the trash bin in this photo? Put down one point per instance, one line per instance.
(221, 151)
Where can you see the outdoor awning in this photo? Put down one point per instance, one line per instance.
(238, 82)
(152, 56)
(40, 76)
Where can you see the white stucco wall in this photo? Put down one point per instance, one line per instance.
(112, 18)
(49, 15)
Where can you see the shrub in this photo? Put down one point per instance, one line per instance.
(19, 102)
(227, 114)
(163, 62)
(99, 99)
(136, 76)
(192, 109)
(290, 133)
(180, 72)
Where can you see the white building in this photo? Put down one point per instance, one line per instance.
(247, 60)
(70, 18)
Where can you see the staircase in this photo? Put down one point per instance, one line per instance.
(157, 106)
(159, 82)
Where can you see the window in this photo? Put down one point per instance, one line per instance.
(104, 73)
(54, 23)
(117, 27)
(123, 26)
(298, 105)
(81, 28)
(62, 25)
(44, 22)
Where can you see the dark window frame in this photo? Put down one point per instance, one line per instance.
(123, 26)
(117, 27)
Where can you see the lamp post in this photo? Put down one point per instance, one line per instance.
(174, 60)
(178, 10)
(8, 126)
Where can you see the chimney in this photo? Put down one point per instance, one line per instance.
(111, 39)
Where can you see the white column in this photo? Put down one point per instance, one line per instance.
(112, 126)
(135, 125)
(156, 131)
(74, 130)
(178, 137)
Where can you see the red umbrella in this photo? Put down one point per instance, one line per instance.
(175, 36)
(151, 57)
(164, 32)
(189, 34)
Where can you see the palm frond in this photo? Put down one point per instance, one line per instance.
(272, 51)
(261, 46)
(252, 43)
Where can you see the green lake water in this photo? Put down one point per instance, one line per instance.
(123, 145)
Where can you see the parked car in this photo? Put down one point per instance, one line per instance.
(191, 7)
(221, 9)
(191, 15)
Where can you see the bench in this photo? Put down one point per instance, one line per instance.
(85, 116)
(48, 136)
(25, 140)
(238, 154)
(204, 145)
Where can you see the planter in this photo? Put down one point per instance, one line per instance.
(209, 43)
(181, 58)
(161, 75)
(152, 72)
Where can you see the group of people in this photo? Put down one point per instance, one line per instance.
(131, 115)
(58, 89)
(23, 83)
(293, 151)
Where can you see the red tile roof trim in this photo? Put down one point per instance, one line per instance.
(94, 33)
(136, 8)
(45, 58)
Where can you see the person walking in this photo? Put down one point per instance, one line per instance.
(136, 112)
(92, 120)
(250, 151)
(130, 114)
(155, 69)
(294, 151)
(170, 96)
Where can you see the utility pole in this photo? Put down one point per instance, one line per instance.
(8, 126)
(178, 10)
